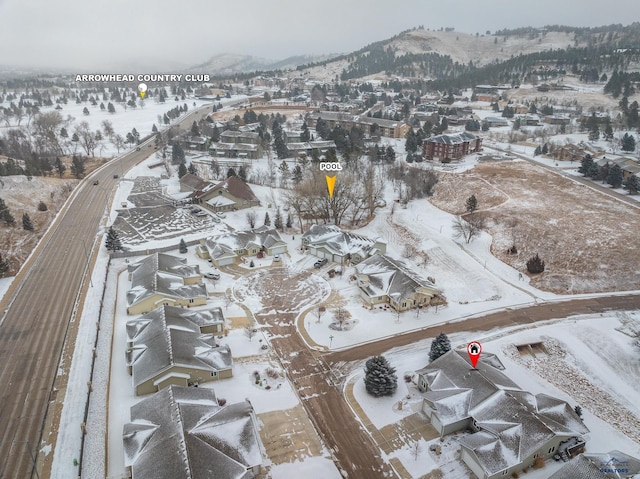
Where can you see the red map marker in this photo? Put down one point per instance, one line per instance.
(474, 348)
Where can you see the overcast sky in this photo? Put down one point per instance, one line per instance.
(152, 35)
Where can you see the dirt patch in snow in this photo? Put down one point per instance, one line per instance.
(587, 240)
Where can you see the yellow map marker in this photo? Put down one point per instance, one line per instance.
(142, 89)
(331, 182)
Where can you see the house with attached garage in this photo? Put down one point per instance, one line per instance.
(162, 279)
(185, 433)
(334, 244)
(511, 429)
(228, 195)
(382, 279)
(168, 346)
(230, 248)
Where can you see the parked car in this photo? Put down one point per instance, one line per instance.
(212, 275)
(320, 263)
(116, 176)
(221, 215)
(276, 258)
(96, 182)
(215, 219)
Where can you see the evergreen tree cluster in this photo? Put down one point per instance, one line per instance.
(112, 241)
(380, 378)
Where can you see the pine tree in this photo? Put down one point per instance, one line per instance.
(289, 221)
(182, 170)
(231, 172)
(27, 225)
(594, 133)
(632, 183)
(594, 171)
(111, 108)
(615, 176)
(242, 174)
(439, 346)
(545, 149)
(537, 151)
(267, 220)
(578, 410)
(112, 242)
(192, 169)
(471, 204)
(277, 222)
(195, 131)
(628, 142)
(535, 264)
(380, 378)
(608, 131)
(183, 246)
(585, 165)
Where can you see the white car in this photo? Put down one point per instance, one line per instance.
(221, 215)
(276, 258)
(212, 275)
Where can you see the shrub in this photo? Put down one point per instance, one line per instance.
(222, 402)
(42, 206)
(535, 264)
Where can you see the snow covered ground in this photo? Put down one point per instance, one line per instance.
(602, 359)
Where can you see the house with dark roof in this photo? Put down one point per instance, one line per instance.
(184, 433)
(230, 248)
(511, 428)
(228, 195)
(167, 346)
(382, 279)
(190, 182)
(334, 244)
(451, 147)
(162, 279)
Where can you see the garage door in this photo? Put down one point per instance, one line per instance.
(280, 249)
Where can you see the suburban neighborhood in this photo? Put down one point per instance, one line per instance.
(408, 261)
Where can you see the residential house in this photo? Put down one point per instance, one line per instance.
(183, 432)
(629, 166)
(451, 147)
(248, 137)
(529, 119)
(495, 121)
(230, 248)
(235, 150)
(571, 152)
(167, 346)
(334, 244)
(162, 279)
(228, 195)
(385, 280)
(370, 126)
(191, 182)
(512, 428)
(557, 119)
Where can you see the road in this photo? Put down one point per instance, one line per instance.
(352, 447)
(39, 309)
(500, 319)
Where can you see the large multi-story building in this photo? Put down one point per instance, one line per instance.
(451, 147)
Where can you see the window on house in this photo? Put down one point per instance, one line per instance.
(191, 300)
(404, 305)
(505, 472)
(214, 374)
(552, 449)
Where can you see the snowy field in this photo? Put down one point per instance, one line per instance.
(601, 359)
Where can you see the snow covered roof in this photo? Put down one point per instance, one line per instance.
(160, 341)
(228, 244)
(513, 424)
(163, 274)
(236, 188)
(591, 466)
(179, 317)
(193, 182)
(453, 139)
(390, 277)
(338, 241)
(182, 432)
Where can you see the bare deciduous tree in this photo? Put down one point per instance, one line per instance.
(469, 227)
(252, 216)
(319, 312)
